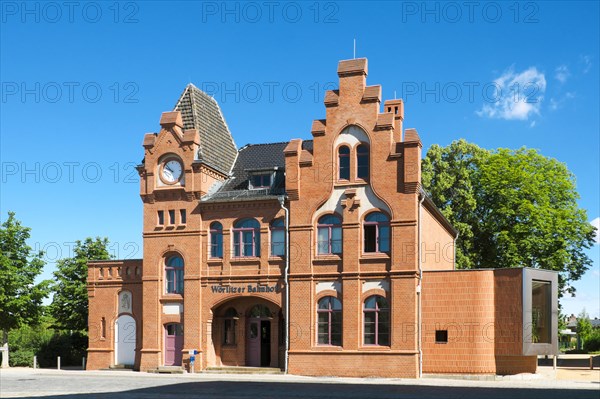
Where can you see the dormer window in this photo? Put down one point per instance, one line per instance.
(261, 180)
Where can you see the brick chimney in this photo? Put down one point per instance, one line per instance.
(396, 107)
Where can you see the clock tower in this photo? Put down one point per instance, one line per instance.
(192, 152)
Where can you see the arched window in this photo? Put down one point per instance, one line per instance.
(376, 321)
(362, 162)
(260, 311)
(246, 238)
(277, 238)
(229, 326)
(376, 230)
(329, 235)
(174, 274)
(329, 321)
(216, 240)
(344, 163)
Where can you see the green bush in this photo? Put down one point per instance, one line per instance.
(592, 343)
(22, 358)
(70, 347)
(46, 343)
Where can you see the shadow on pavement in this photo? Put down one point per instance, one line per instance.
(277, 390)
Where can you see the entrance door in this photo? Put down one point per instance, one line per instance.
(258, 343)
(125, 340)
(265, 343)
(253, 339)
(173, 344)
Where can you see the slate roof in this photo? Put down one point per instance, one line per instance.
(201, 112)
(253, 157)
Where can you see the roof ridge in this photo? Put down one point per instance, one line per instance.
(250, 144)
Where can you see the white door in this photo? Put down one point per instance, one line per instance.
(125, 340)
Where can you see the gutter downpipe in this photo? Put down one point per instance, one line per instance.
(286, 281)
(419, 288)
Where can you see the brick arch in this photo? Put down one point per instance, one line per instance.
(349, 124)
(223, 302)
(325, 293)
(375, 291)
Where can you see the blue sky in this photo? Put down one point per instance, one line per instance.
(81, 84)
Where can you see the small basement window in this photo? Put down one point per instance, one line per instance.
(441, 336)
(262, 180)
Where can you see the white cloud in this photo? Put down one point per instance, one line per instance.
(516, 95)
(556, 103)
(586, 60)
(596, 224)
(562, 73)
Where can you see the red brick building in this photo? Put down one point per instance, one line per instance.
(319, 257)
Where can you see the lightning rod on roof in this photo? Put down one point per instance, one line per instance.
(354, 56)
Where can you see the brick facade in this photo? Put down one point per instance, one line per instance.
(231, 295)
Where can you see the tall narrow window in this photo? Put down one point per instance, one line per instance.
(161, 218)
(246, 238)
(171, 216)
(174, 275)
(329, 235)
(376, 230)
(376, 321)
(229, 326)
(329, 321)
(183, 216)
(277, 238)
(344, 163)
(541, 311)
(103, 328)
(362, 162)
(216, 240)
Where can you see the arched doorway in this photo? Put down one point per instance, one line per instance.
(125, 334)
(246, 332)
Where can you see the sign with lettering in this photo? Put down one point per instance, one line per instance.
(243, 289)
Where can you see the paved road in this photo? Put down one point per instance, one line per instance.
(21, 383)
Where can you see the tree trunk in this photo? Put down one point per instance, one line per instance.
(4, 349)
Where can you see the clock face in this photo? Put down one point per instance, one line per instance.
(171, 171)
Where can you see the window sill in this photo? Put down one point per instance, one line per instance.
(325, 258)
(215, 261)
(375, 255)
(375, 348)
(328, 348)
(171, 298)
(348, 183)
(245, 259)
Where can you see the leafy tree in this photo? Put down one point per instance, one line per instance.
(70, 300)
(584, 326)
(512, 208)
(20, 298)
